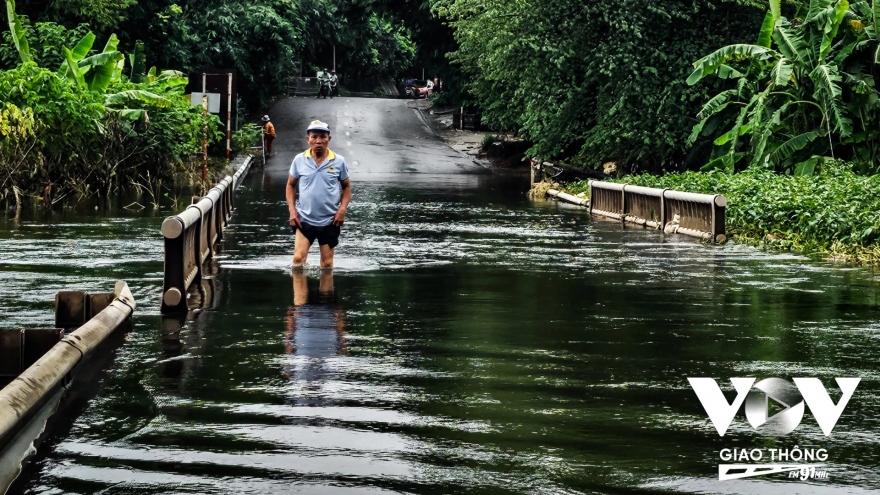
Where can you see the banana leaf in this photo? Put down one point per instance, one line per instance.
(136, 97)
(875, 7)
(17, 31)
(138, 63)
(103, 66)
(808, 167)
(793, 145)
(764, 37)
(171, 79)
(727, 136)
(77, 75)
(120, 66)
(78, 53)
(826, 79)
(133, 114)
(712, 62)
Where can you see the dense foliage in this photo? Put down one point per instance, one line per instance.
(805, 91)
(82, 126)
(266, 41)
(602, 81)
(46, 40)
(259, 39)
(833, 212)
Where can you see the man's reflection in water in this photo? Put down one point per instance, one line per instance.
(315, 334)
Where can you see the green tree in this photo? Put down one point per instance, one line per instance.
(258, 39)
(597, 81)
(803, 92)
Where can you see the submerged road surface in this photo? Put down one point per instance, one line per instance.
(468, 341)
(381, 139)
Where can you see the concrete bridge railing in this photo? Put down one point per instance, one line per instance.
(39, 364)
(190, 237)
(675, 212)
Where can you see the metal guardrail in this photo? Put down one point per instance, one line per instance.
(676, 212)
(303, 86)
(190, 237)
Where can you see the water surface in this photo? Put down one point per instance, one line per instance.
(468, 341)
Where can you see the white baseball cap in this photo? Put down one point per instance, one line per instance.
(317, 125)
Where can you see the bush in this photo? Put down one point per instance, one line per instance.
(81, 144)
(244, 138)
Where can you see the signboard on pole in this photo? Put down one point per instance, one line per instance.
(213, 101)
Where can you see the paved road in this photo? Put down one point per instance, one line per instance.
(382, 140)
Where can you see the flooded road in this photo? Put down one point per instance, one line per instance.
(468, 341)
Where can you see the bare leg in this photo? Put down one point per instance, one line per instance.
(300, 288)
(326, 256)
(301, 247)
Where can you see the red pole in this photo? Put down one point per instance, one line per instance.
(229, 117)
(205, 140)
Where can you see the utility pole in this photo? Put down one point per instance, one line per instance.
(334, 57)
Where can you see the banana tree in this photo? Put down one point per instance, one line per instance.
(799, 92)
(94, 72)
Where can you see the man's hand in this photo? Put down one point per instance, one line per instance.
(294, 219)
(339, 218)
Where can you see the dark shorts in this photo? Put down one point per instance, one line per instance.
(326, 235)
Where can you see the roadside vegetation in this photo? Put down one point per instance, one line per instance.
(81, 113)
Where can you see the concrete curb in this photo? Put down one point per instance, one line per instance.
(569, 198)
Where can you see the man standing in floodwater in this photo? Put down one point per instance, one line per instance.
(318, 193)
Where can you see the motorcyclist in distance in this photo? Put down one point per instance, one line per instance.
(324, 84)
(334, 84)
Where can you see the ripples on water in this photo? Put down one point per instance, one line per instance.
(472, 342)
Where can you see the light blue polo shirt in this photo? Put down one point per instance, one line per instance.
(320, 191)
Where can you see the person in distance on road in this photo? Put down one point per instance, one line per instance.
(268, 134)
(318, 194)
(324, 84)
(334, 84)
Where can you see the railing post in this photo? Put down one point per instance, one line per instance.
(663, 209)
(190, 238)
(173, 287)
(230, 185)
(719, 207)
(592, 195)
